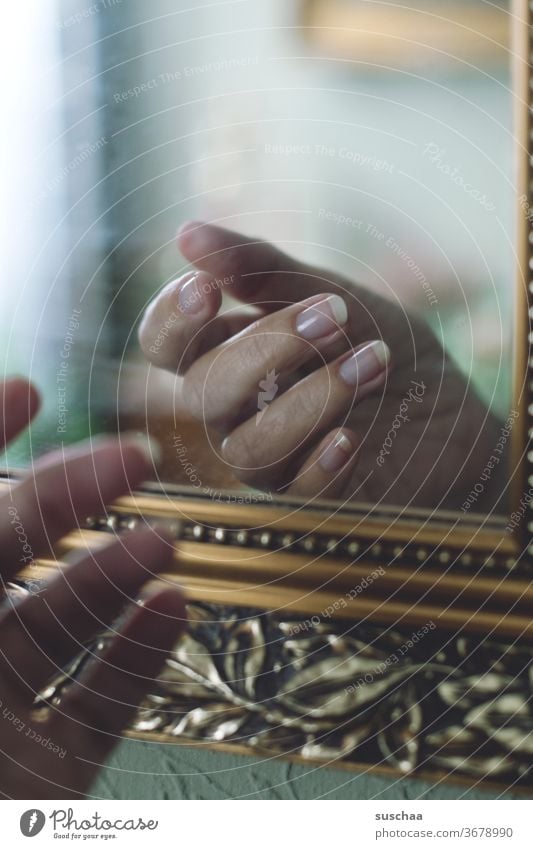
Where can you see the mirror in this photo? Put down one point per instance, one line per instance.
(381, 166)
(331, 354)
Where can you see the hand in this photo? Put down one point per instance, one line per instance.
(59, 757)
(319, 387)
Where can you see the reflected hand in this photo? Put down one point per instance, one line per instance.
(319, 387)
(59, 756)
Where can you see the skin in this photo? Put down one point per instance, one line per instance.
(438, 442)
(42, 633)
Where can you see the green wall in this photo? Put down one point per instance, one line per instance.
(139, 770)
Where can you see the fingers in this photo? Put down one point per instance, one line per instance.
(327, 471)
(20, 402)
(63, 488)
(180, 324)
(173, 320)
(224, 382)
(255, 270)
(104, 700)
(261, 450)
(45, 631)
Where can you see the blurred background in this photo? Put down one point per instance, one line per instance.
(373, 138)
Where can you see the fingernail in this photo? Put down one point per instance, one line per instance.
(149, 446)
(366, 364)
(337, 453)
(322, 319)
(190, 297)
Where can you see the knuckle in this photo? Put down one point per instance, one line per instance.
(211, 391)
(313, 397)
(250, 456)
(256, 346)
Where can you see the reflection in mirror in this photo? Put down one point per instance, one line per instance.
(341, 328)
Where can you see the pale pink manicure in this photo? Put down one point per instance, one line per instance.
(190, 297)
(322, 319)
(337, 453)
(366, 364)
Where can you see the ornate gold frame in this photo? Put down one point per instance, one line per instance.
(471, 577)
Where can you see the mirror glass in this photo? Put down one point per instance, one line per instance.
(370, 142)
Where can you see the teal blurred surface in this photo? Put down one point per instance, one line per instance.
(146, 770)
